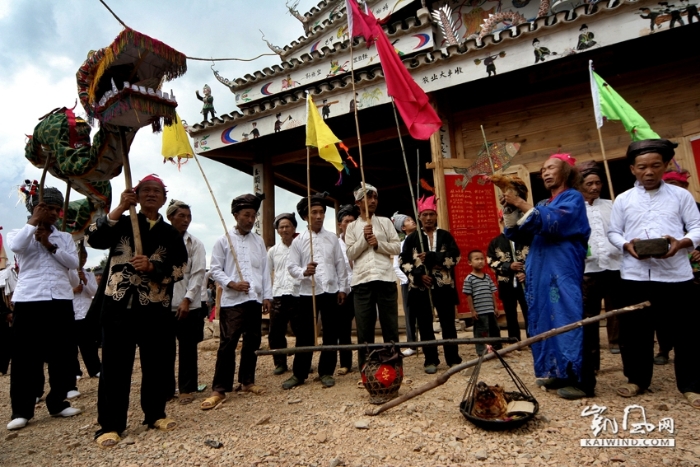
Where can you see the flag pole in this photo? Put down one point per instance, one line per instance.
(413, 197)
(357, 126)
(65, 206)
(605, 163)
(228, 237)
(311, 241)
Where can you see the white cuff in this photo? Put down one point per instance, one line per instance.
(510, 219)
(525, 216)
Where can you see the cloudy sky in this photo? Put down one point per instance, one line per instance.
(44, 42)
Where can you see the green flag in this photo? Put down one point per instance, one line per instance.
(608, 105)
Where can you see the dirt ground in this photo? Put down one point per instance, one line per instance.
(313, 426)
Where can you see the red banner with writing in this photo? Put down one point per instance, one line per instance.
(473, 216)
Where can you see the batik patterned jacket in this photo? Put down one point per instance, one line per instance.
(439, 264)
(162, 244)
(500, 256)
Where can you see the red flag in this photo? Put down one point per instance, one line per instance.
(359, 23)
(411, 101)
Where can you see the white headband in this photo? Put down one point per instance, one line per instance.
(360, 192)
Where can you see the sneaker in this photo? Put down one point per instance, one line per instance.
(68, 412)
(291, 382)
(408, 352)
(327, 381)
(571, 393)
(279, 370)
(431, 369)
(17, 423)
(72, 394)
(661, 359)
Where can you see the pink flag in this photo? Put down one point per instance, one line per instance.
(359, 23)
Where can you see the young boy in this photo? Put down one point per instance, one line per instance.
(479, 289)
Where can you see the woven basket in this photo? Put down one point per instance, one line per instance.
(383, 373)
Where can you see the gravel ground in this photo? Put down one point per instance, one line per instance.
(313, 426)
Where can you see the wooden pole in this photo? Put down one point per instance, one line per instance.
(66, 201)
(357, 129)
(138, 246)
(228, 237)
(413, 199)
(442, 379)
(402, 345)
(605, 163)
(43, 176)
(311, 241)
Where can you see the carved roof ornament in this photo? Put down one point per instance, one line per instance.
(294, 12)
(228, 83)
(274, 48)
(443, 17)
(490, 23)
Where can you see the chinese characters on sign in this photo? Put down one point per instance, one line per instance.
(473, 223)
(634, 420)
(258, 188)
(442, 75)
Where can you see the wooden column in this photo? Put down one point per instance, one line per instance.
(268, 205)
(439, 180)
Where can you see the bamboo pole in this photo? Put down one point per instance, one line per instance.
(43, 176)
(442, 379)
(138, 245)
(228, 237)
(66, 201)
(402, 345)
(311, 241)
(357, 128)
(605, 163)
(413, 199)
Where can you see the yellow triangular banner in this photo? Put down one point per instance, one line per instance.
(320, 136)
(176, 142)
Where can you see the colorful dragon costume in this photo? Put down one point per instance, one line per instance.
(139, 64)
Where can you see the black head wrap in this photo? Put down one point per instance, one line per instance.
(317, 199)
(347, 210)
(247, 201)
(661, 146)
(52, 197)
(590, 168)
(285, 215)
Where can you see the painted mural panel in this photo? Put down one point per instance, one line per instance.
(339, 32)
(332, 66)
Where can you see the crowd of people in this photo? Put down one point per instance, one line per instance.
(559, 260)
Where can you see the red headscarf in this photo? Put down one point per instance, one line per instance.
(564, 157)
(677, 176)
(150, 178)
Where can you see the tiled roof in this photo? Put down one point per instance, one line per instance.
(422, 59)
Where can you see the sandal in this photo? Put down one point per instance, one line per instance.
(360, 385)
(184, 399)
(628, 390)
(693, 398)
(252, 388)
(211, 402)
(108, 440)
(165, 424)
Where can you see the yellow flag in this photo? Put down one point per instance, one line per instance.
(176, 142)
(320, 136)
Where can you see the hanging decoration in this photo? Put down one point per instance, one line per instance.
(176, 143)
(500, 154)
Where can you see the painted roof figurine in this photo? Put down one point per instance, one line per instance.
(119, 84)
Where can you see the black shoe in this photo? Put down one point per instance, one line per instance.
(571, 393)
(431, 369)
(327, 381)
(614, 349)
(280, 370)
(552, 383)
(291, 382)
(661, 359)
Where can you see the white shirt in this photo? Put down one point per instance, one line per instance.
(348, 266)
(82, 300)
(282, 282)
(369, 264)
(604, 256)
(252, 258)
(190, 286)
(43, 275)
(331, 273)
(637, 214)
(397, 268)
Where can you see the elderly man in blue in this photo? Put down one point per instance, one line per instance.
(557, 231)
